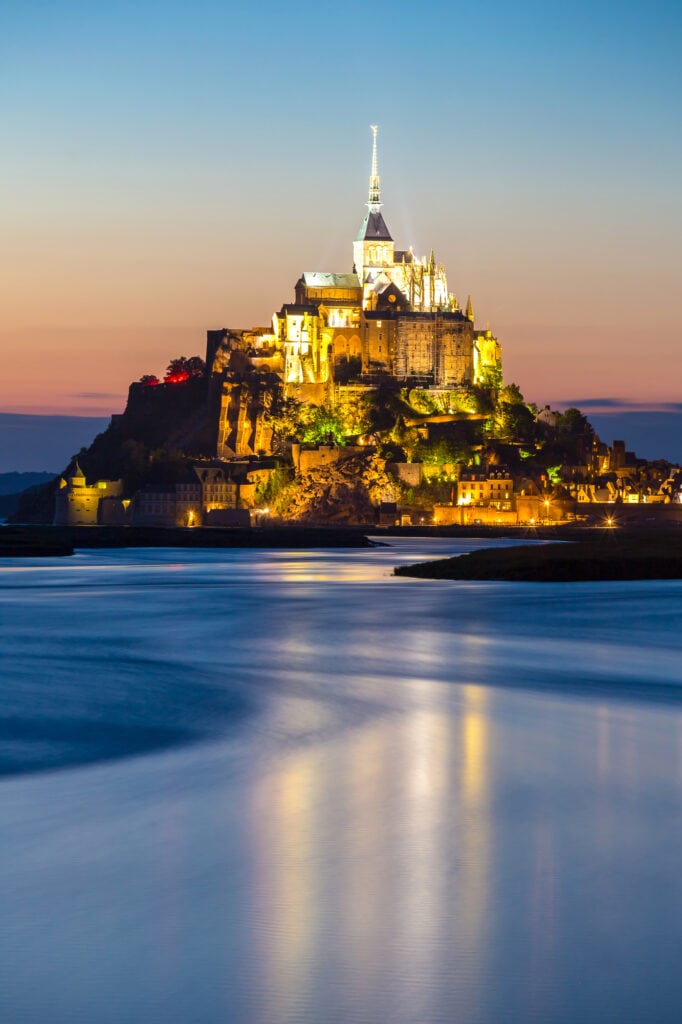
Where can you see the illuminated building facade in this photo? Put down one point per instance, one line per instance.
(392, 315)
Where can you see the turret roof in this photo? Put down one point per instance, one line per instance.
(373, 228)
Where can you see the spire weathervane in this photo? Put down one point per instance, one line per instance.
(374, 200)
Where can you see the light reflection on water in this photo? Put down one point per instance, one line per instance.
(395, 800)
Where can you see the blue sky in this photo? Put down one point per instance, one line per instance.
(169, 168)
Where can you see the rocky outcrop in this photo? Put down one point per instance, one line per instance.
(244, 426)
(348, 491)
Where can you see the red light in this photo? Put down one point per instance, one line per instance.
(176, 378)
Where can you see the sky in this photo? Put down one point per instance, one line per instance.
(168, 168)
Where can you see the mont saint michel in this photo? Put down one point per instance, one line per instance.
(285, 781)
(372, 398)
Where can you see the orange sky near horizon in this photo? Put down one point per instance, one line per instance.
(115, 305)
(151, 193)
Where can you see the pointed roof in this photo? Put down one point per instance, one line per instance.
(373, 228)
(374, 198)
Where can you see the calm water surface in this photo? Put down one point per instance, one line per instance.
(272, 787)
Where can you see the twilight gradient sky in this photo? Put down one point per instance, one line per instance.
(169, 167)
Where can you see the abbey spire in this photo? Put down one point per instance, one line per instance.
(374, 199)
(373, 227)
(373, 246)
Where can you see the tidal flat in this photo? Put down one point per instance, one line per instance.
(287, 787)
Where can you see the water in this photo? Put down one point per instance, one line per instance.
(270, 787)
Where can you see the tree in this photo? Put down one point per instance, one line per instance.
(353, 410)
(572, 423)
(182, 369)
(289, 419)
(515, 422)
(408, 438)
(438, 453)
(511, 394)
(491, 378)
(149, 379)
(421, 401)
(326, 426)
(481, 402)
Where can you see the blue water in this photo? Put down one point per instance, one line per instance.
(288, 787)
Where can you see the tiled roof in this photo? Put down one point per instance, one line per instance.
(316, 279)
(373, 228)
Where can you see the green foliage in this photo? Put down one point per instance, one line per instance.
(353, 411)
(325, 427)
(407, 438)
(491, 378)
(460, 401)
(421, 401)
(461, 437)
(315, 424)
(511, 395)
(514, 422)
(481, 401)
(288, 418)
(429, 492)
(440, 452)
(281, 502)
(269, 492)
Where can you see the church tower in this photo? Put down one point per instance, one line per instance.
(373, 248)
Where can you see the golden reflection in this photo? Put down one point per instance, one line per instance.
(364, 849)
(381, 837)
(286, 829)
(474, 743)
(475, 834)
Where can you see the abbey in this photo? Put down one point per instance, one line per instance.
(392, 315)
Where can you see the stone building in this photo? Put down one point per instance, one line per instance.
(393, 314)
(79, 503)
(194, 499)
(493, 487)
